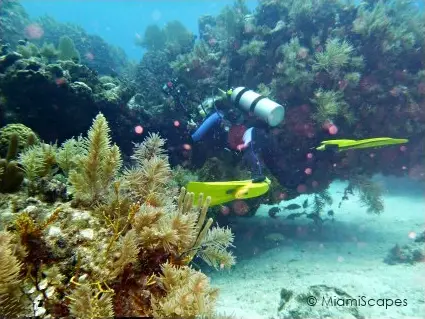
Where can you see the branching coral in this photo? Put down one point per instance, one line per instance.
(98, 165)
(67, 50)
(174, 36)
(396, 26)
(38, 161)
(374, 21)
(169, 236)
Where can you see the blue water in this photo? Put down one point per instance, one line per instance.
(118, 22)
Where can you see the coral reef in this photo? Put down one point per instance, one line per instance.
(124, 246)
(326, 71)
(341, 71)
(93, 51)
(49, 96)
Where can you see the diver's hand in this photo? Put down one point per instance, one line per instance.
(191, 125)
(241, 147)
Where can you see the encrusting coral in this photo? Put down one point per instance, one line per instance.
(128, 254)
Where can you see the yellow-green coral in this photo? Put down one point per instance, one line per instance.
(38, 160)
(294, 68)
(133, 246)
(98, 165)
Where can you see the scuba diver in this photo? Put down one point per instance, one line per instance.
(253, 142)
(255, 137)
(216, 119)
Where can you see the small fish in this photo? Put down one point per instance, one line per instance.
(295, 215)
(273, 211)
(331, 212)
(292, 206)
(305, 204)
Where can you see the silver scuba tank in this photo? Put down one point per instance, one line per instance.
(261, 106)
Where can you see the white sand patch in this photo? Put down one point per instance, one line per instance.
(348, 255)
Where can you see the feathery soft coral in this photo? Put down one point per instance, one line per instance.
(98, 166)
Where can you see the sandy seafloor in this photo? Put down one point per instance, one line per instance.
(348, 255)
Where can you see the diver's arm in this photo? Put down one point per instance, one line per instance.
(207, 125)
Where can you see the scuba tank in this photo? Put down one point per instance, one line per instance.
(249, 101)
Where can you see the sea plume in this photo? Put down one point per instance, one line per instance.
(146, 181)
(88, 302)
(187, 293)
(10, 294)
(97, 167)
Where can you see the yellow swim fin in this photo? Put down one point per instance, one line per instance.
(342, 145)
(223, 192)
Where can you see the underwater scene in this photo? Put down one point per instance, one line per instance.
(212, 159)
